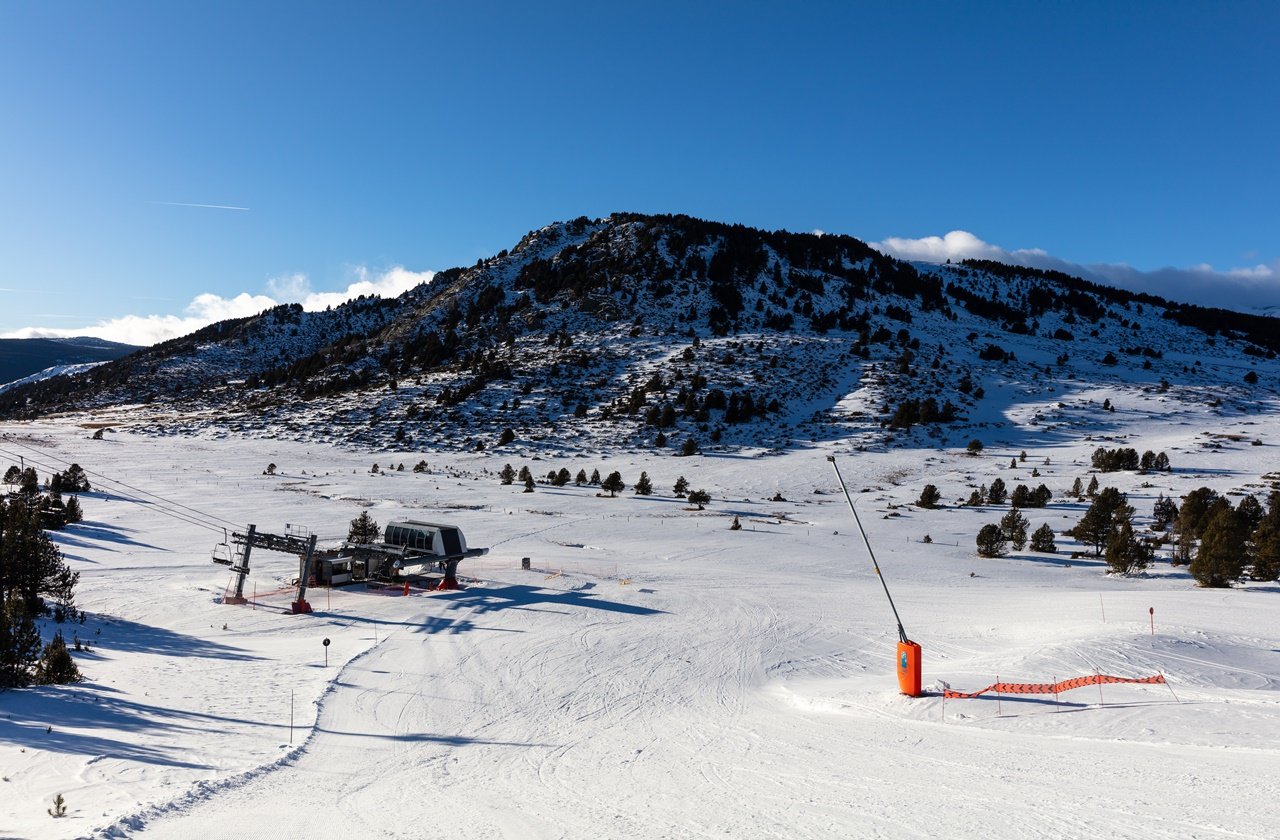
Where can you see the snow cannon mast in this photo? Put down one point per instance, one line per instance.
(909, 653)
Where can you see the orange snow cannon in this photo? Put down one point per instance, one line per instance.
(908, 658)
(909, 668)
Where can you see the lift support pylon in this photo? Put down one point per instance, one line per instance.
(288, 543)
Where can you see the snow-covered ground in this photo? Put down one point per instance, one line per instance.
(655, 674)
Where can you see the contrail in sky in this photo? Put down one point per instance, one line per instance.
(210, 206)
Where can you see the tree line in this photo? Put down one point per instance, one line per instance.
(35, 580)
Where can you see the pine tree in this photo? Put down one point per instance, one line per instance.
(581, 478)
(507, 474)
(1266, 546)
(1077, 489)
(72, 511)
(528, 482)
(997, 493)
(1094, 529)
(1021, 497)
(1013, 527)
(1250, 512)
(525, 476)
(1125, 553)
(1163, 512)
(1193, 514)
(991, 541)
(31, 565)
(613, 483)
(1220, 559)
(562, 478)
(681, 487)
(364, 529)
(19, 643)
(595, 478)
(56, 665)
(1093, 487)
(701, 498)
(74, 480)
(929, 497)
(1042, 539)
(689, 447)
(644, 487)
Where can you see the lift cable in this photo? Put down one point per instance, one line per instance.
(211, 518)
(157, 507)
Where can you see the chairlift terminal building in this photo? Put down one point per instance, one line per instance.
(409, 548)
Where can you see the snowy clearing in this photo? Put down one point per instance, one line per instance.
(654, 674)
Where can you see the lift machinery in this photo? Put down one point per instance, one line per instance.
(296, 542)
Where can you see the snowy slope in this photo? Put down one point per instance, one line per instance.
(612, 331)
(656, 674)
(49, 373)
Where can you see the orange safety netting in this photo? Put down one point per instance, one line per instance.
(1052, 688)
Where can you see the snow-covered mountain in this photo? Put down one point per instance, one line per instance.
(49, 373)
(666, 330)
(23, 358)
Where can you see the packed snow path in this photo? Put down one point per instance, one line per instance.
(517, 711)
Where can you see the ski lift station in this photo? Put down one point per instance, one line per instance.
(409, 548)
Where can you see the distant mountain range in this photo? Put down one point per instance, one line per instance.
(643, 331)
(23, 357)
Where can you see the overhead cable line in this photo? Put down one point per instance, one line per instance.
(199, 513)
(158, 507)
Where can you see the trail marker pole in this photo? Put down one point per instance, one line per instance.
(290, 716)
(1104, 608)
(1152, 610)
(998, 712)
(326, 652)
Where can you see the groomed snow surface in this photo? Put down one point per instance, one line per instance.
(655, 674)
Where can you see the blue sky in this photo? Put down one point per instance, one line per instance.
(373, 145)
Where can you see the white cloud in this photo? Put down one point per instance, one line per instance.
(295, 288)
(209, 308)
(1248, 289)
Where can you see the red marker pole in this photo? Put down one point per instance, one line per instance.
(1152, 610)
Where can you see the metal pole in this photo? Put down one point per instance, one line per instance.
(306, 570)
(244, 564)
(902, 634)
